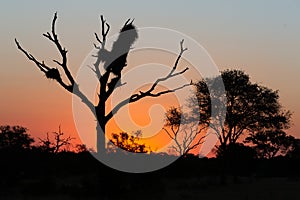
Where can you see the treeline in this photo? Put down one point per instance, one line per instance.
(26, 165)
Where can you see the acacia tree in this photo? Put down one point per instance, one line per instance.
(184, 129)
(250, 107)
(109, 79)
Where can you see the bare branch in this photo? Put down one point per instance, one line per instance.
(169, 134)
(104, 32)
(54, 73)
(51, 73)
(97, 38)
(40, 65)
(62, 51)
(195, 145)
(171, 74)
(137, 97)
(101, 50)
(168, 91)
(149, 92)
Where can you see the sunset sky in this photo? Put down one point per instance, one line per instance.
(260, 37)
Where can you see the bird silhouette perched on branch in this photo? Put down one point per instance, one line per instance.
(116, 59)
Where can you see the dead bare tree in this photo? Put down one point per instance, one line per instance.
(58, 143)
(114, 62)
(184, 130)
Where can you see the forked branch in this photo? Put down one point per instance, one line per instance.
(150, 92)
(104, 33)
(171, 74)
(101, 49)
(63, 52)
(53, 73)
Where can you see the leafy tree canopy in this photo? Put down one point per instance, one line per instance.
(250, 107)
(15, 138)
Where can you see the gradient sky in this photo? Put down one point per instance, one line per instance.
(260, 37)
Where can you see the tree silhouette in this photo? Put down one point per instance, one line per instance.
(57, 145)
(184, 129)
(270, 143)
(14, 138)
(250, 107)
(113, 63)
(130, 143)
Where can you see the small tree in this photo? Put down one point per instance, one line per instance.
(130, 143)
(113, 63)
(184, 130)
(59, 143)
(15, 138)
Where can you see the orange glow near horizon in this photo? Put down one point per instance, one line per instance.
(141, 117)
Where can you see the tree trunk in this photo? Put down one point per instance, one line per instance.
(101, 137)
